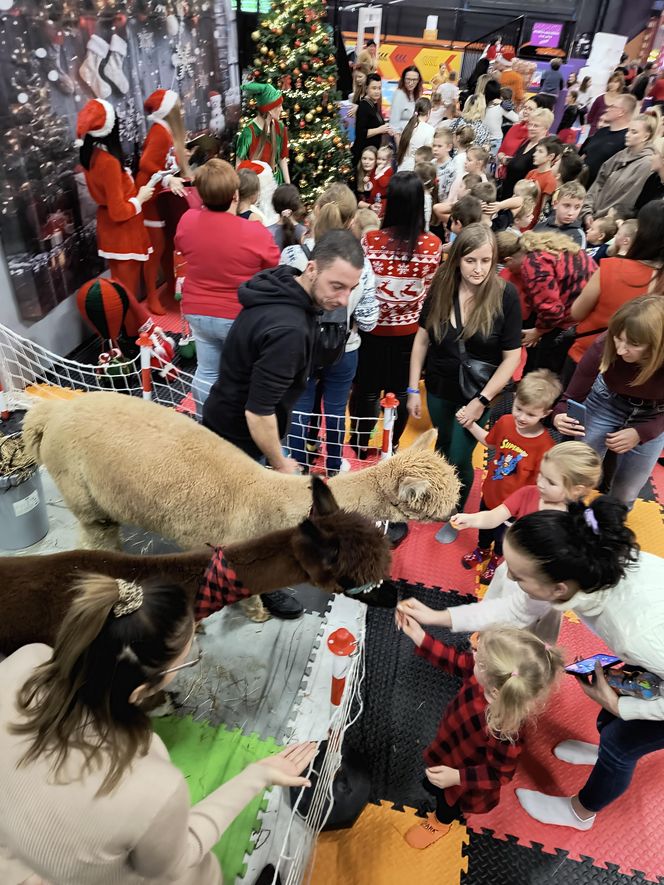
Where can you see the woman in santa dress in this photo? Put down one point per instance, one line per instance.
(164, 146)
(122, 238)
(265, 138)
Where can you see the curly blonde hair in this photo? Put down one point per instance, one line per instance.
(547, 241)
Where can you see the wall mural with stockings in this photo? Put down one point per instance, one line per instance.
(55, 55)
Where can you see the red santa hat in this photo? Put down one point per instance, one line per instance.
(258, 168)
(506, 57)
(160, 103)
(97, 119)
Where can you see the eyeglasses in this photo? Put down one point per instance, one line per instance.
(196, 659)
(414, 79)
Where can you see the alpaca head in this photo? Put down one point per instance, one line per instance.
(417, 483)
(338, 550)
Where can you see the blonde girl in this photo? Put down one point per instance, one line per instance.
(506, 680)
(417, 133)
(620, 380)
(365, 172)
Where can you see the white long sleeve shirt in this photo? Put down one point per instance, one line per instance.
(629, 618)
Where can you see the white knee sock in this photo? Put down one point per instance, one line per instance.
(576, 752)
(555, 810)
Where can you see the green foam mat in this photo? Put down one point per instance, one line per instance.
(209, 757)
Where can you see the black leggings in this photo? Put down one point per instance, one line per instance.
(384, 365)
(445, 813)
(486, 536)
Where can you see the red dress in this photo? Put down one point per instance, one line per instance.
(463, 741)
(157, 145)
(121, 234)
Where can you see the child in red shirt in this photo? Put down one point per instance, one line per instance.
(520, 441)
(544, 156)
(479, 739)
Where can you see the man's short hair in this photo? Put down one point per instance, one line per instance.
(484, 191)
(628, 101)
(467, 210)
(338, 244)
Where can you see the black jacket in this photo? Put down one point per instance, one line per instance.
(266, 357)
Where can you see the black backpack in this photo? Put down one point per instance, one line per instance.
(332, 333)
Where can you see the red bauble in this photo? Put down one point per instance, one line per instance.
(257, 73)
(305, 66)
(302, 124)
(298, 43)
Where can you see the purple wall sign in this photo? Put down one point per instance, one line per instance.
(546, 34)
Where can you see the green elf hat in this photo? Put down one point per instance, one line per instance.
(266, 95)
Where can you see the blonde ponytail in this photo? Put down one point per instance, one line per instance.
(335, 209)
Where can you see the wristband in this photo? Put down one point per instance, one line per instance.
(413, 390)
(485, 402)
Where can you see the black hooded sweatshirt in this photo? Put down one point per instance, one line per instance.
(266, 358)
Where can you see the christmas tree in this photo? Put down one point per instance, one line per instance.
(295, 52)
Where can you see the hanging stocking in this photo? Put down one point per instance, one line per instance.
(113, 70)
(97, 50)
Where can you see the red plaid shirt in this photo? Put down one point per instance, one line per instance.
(463, 741)
(220, 587)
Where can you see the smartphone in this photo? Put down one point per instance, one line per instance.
(577, 411)
(586, 666)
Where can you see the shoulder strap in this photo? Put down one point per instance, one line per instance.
(306, 250)
(457, 317)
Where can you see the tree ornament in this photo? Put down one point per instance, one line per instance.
(282, 65)
(331, 79)
(296, 72)
(309, 117)
(302, 124)
(330, 108)
(299, 158)
(296, 107)
(305, 66)
(297, 44)
(312, 47)
(319, 109)
(263, 49)
(279, 31)
(255, 36)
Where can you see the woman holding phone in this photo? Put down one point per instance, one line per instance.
(586, 560)
(620, 382)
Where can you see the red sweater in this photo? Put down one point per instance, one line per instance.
(516, 461)
(551, 282)
(222, 251)
(514, 138)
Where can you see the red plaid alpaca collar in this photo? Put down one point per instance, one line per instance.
(219, 587)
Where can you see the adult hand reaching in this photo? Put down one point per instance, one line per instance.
(410, 627)
(176, 186)
(421, 613)
(289, 466)
(286, 767)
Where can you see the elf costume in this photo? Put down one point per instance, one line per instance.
(252, 144)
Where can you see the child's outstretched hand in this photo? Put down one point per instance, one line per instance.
(418, 611)
(462, 521)
(443, 776)
(410, 627)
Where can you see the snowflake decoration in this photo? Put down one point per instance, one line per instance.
(203, 80)
(184, 62)
(129, 122)
(146, 41)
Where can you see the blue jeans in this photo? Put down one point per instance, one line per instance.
(209, 335)
(621, 745)
(606, 413)
(335, 382)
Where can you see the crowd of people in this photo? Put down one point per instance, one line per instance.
(475, 258)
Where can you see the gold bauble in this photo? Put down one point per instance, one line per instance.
(299, 158)
(256, 36)
(330, 108)
(312, 47)
(271, 53)
(279, 31)
(319, 109)
(309, 117)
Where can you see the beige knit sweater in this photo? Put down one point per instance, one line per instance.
(144, 831)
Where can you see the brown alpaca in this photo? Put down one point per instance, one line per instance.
(332, 549)
(119, 459)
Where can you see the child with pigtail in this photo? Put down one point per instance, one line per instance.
(506, 680)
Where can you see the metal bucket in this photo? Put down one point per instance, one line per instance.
(23, 516)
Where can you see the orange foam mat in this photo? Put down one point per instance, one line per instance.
(374, 851)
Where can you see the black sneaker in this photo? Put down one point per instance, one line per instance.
(282, 605)
(396, 533)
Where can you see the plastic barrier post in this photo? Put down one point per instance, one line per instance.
(342, 644)
(145, 343)
(389, 404)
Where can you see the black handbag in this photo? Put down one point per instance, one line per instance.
(473, 373)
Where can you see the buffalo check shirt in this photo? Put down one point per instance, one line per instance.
(463, 740)
(220, 587)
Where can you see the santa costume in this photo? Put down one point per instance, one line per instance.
(157, 149)
(268, 98)
(122, 238)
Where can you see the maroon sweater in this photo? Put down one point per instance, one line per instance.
(618, 378)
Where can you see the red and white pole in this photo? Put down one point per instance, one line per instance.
(145, 343)
(4, 410)
(342, 644)
(389, 404)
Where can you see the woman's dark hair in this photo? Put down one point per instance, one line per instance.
(585, 84)
(372, 78)
(648, 243)
(544, 100)
(111, 142)
(566, 547)
(80, 698)
(402, 81)
(404, 214)
(288, 206)
(491, 91)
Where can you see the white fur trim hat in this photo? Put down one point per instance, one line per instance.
(160, 103)
(97, 119)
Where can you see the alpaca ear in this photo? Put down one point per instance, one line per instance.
(411, 489)
(324, 502)
(425, 441)
(326, 546)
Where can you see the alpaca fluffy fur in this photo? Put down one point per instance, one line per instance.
(118, 460)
